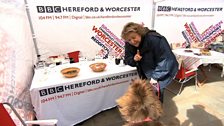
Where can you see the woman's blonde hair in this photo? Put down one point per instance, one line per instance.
(133, 27)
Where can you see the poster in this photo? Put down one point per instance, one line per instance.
(187, 22)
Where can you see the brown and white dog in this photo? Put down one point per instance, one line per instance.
(139, 106)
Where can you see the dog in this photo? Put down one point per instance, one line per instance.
(140, 106)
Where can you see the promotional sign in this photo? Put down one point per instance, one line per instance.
(108, 41)
(88, 26)
(16, 62)
(187, 22)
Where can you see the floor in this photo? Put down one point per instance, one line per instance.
(201, 107)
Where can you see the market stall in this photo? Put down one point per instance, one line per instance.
(46, 28)
(72, 100)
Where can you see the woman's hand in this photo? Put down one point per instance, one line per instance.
(152, 81)
(137, 56)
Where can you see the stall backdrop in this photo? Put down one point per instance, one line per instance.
(86, 25)
(184, 22)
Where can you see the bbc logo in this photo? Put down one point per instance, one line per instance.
(52, 90)
(164, 8)
(49, 9)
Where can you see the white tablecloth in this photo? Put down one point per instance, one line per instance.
(192, 61)
(72, 100)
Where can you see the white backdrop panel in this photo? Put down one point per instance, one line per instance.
(72, 30)
(171, 23)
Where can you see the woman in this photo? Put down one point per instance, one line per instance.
(151, 54)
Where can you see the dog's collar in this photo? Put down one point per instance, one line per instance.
(147, 119)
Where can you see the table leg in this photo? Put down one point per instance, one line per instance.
(222, 70)
(205, 77)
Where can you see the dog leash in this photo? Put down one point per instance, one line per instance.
(156, 87)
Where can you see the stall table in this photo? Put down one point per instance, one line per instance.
(192, 60)
(73, 100)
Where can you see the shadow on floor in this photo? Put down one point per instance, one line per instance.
(197, 116)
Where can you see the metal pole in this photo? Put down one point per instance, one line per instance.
(153, 14)
(16, 113)
(32, 31)
(154, 11)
